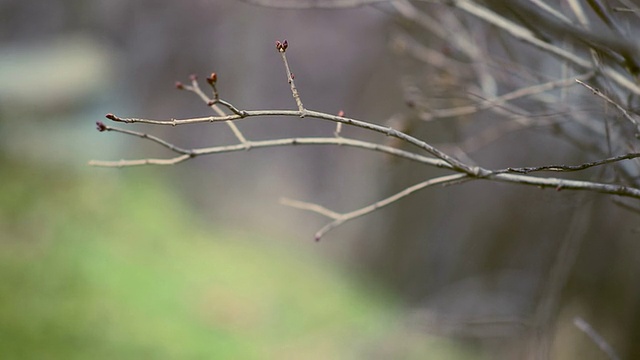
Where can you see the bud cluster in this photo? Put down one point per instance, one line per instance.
(282, 46)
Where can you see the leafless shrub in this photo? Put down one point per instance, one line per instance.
(505, 65)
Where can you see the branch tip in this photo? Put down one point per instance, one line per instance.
(101, 126)
(112, 117)
(282, 46)
(179, 85)
(212, 78)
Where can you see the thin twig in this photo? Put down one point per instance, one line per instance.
(516, 94)
(566, 168)
(624, 111)
(558, 15)
(282, 49)
(565, 184)
(596, 338)
(195, 88)
(626, 206)
(339, 219)
(168, 145)
(341, 141)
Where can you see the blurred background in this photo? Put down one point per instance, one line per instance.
(199, 260)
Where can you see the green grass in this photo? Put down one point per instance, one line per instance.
(112, 266)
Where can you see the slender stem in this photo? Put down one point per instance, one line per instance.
(290, 77)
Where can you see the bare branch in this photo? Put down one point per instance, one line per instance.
(264, 144)
(318, 115)
(566, 168)
(565, 184)
(464, 170)
(526, 35)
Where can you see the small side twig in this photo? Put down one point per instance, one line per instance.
(213, 104)
(341, 218)
(282, 49)
(624, 111)
(102, 127)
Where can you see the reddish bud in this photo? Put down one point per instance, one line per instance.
(179, 85)
(341, 113)
(285, 44)
(193, 77)
(279, 45)
(211, 102)
(110, 116)
(292, 76)
(101, 126)
(212, 78)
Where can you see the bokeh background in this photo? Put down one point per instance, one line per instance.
(199, 260)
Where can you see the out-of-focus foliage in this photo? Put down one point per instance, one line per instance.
(114, 267)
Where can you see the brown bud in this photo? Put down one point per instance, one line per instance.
(212, 78)
(101, 126)
(279, 45)
(211, 102)
(285, 44)
(179, 85)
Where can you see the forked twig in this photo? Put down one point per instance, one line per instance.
(213, 103)
(341, 218)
